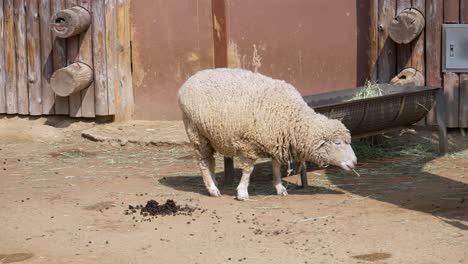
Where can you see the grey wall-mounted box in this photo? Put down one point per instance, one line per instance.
(454, 48)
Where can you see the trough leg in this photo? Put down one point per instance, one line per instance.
(303, 171)
(228, 170)
(440, 114)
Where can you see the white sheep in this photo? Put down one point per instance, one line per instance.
(239, 113)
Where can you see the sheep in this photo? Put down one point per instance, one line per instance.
(239, 113)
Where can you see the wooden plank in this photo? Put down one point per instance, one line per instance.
(48, 96)
(373, 38)
(403, 50)
(124, 94)
(463, 111)
(417, 51)
(451, 11)
(99, 57)
(111, 54)
(85, 55)
(59, 55)
(387, 52)
(434, 18)
(2, 64)
(451, 80)
(33, 41)
(72, 56)
(21, 57)
(11, 93)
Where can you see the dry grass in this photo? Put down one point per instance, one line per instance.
(371, 89)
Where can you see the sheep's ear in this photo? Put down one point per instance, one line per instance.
(320, 144)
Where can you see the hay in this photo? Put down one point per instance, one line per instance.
(371, 89)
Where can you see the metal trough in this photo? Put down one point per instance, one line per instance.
(399, 107)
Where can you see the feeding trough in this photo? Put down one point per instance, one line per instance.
(398, 107)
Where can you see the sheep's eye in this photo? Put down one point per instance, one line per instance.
(338, 142)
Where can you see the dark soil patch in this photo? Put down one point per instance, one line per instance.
(154, 209)
(373, 256)
(16, 257)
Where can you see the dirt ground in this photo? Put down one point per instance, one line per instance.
(63, 200)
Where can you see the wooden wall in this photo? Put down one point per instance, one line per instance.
(424, 54)
(30, 53)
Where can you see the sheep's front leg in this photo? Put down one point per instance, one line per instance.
(276, 167)
(247, 166)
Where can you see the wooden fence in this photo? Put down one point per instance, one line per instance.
(30, 53)
(423, 54)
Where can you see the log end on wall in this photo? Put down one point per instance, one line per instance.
(408, 76)
(406, 26)
(71, 79)
(70, 22)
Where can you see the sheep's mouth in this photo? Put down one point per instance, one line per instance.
(347, 165)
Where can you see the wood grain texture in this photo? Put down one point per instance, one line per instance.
(374, 39)
(451, 11)
(48, 96)
(387, 50)
(21, 57)
(85, 55)
(111, 53)
(98, 28)
(124, 94)
(451, 80)
(403, 50)
(33, 41)
(73, 48)
(463, 111)
(11, 93)
(417, 51)
(434, 18)
(59, 55)
(2, 63)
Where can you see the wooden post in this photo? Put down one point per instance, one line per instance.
(451, 80)
(33, 38)
(374, 41)
(59, 53)
(111, 55)
(406, 26)
(408, 76)
(21, 57)
(303, 171)
(463, 118)
(387, 55)
(48, 96)
(99, 57)
(73, 50)
(85, 55)
(434, 18)
(403, 50)
(70, 22)
(71, 79)
(2, 64)
(228, 170)
(124, 93)
(11, 93)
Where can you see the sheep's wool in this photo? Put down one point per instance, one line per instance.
(241, 113)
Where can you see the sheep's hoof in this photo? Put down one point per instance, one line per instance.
(242, 196)
(281, 190)
(214, 192)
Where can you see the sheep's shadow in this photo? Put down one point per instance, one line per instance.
(260, 183)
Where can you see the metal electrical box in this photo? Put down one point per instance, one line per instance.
(454, 48)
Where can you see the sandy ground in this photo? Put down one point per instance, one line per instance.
(63, 201)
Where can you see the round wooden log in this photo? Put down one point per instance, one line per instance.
(71, 79)
(408, 76)
(406, 26)
(70, 22)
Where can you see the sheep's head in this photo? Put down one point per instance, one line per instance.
(333, 147)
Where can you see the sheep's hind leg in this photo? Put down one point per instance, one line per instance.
(247, 166)
(280, 189)
(207, 169)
